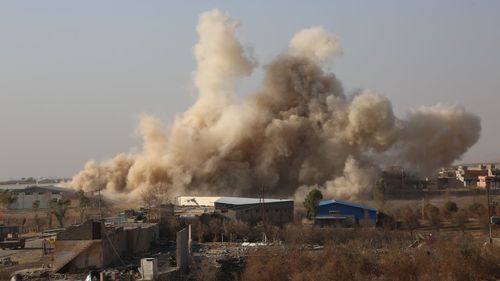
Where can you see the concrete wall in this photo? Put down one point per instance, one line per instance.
(129, 241)
(117, 242)
(114, 243)
(71, 255)
(88, 230)
(139, 239)
(182, 250)
(90, 258)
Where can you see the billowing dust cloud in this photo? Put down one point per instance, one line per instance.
(300, 130)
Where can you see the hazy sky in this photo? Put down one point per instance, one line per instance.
(75, 76)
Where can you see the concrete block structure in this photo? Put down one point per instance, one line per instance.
(182, 250)
(149, 269)
(92, 245)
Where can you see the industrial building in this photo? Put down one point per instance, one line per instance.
(251, 210)
(343, 213)
(27, 194)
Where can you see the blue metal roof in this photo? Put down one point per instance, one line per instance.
(332, 201)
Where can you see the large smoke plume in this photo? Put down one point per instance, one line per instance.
(300, 130)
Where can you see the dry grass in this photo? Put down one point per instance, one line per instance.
(456, 259)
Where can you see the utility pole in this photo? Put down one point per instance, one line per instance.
(262, 206)
(262, 211)
(402, 177)
(489, 212)
(99, 203)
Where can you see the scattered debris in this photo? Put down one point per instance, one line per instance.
(423, 240)
(7, 261)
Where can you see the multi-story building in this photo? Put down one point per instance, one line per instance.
(481, 175)
(488, 182)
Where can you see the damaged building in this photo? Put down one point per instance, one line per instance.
(92, 245)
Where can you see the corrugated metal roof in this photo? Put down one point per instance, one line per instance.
(331, 201)
(246, 201)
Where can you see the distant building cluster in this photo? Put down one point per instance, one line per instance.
(472, 176)
(480, 176)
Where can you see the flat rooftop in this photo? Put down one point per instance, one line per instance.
(209, 201)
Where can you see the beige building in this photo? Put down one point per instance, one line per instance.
(488, 182)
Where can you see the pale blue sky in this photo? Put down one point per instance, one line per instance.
(75, 76)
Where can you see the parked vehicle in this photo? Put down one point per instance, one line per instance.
(13, 241)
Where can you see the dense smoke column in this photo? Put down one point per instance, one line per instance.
(435, 136)
(300, 130)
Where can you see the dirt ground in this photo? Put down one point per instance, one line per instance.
(29, 257)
